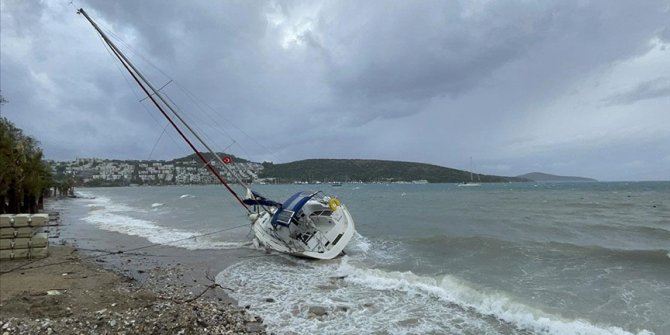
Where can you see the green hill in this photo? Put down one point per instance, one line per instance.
(545, 177)
(210, 157)
(366, 170)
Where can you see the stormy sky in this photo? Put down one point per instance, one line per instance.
(564, 87)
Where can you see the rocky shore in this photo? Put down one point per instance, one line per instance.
(68, 293)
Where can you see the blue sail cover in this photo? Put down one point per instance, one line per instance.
(292, 205)
(258, 199)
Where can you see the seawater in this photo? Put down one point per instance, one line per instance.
(521, 258)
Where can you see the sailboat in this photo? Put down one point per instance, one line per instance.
(307, 224)
(471, 183)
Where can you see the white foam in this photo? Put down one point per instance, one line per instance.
(118, 217)
(157, 204)
(187, 196)
(85, 195)
(358, 244)
(495, 304)
(105, 203)
(373, 301)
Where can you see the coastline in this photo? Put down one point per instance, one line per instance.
(86, 285)
(69, 293)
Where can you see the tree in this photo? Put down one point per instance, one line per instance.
(24, 176)
(2, 102)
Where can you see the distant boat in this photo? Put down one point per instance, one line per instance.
(467, 184)
(471, 183)
(308, 224)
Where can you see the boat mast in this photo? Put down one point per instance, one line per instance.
(142, 81)
(471, 179)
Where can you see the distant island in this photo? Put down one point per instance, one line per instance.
(369, 171)
(545, 177)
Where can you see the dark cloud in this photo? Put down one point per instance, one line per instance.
(429, 81)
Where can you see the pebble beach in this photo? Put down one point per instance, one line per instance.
(82, 291)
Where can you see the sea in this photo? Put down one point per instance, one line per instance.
(508, 258)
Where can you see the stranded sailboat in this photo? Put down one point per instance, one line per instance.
(308, 224)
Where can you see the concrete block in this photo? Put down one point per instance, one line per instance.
(39, 220)
(39, 240)
(21, 243)
(20, 253)
(16, 232)
(6, 243)
(21, 220)
(39, 252)
(6, 254)
(6, 220)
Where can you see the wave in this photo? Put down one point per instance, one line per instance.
(359, 244)
(117, 217)
(84, 195)
(650, 255)
(364, 300)
(486, 303)
(656, 232)
(187, 196)
(481, 243)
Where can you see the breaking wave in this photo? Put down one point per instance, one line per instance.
(116, 217)
(356, 299)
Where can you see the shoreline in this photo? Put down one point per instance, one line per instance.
(88, 284)
(71, 293)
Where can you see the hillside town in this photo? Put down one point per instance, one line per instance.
(106, 172)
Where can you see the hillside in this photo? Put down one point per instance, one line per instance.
(369, 171)
(545, 177)
(209, 157)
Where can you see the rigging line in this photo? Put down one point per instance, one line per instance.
(197, 152)
(236, 176)
(133, 89)
(160, 96)
(107, 253)
(137, 76)
(211, 117)
(173, 103)
(162, 87)
(147, 61)
(230, 145)
(200, 130)
(136, 73)
(231, 171)
(133, 51)
(196, 100)
(192, 97)
(186, 91)
(158, 140)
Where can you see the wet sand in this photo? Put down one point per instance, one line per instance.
(151, 290)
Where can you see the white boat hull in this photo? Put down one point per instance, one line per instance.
(324, 239)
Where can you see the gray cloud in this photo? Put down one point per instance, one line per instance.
(430, 81)
(652, 89)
